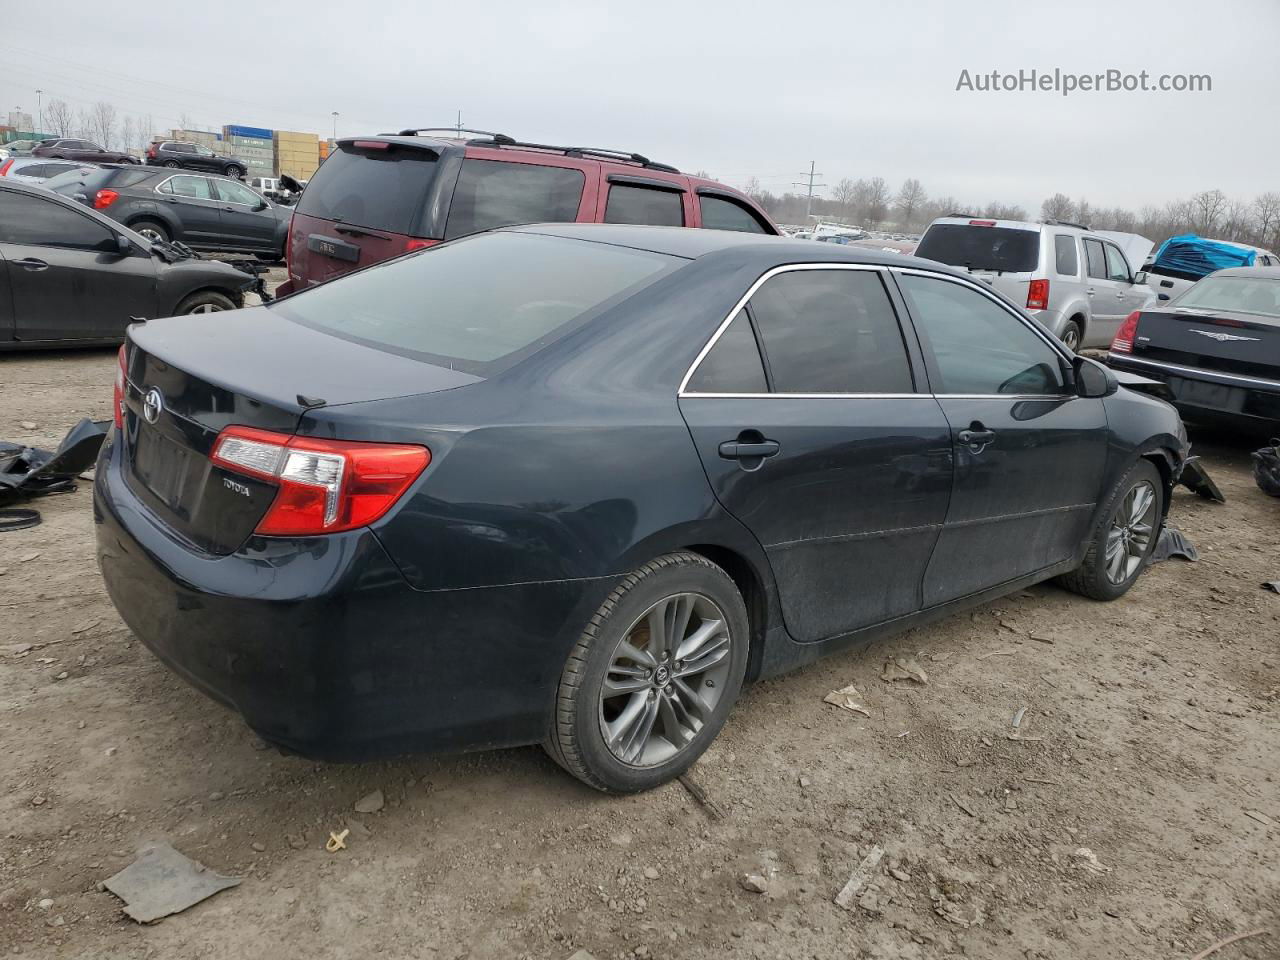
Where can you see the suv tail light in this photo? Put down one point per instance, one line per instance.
(416, 244)
(4, 167)
(325, 486)
(1123, 342)
(104, 198)
(1038, 295)
(151, 151)
(117, 393)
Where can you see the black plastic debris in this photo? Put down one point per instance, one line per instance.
(1172, 543)
(1272, 585)
(18, 519)
(31, 472)
(1266, 469)
(1196, 479)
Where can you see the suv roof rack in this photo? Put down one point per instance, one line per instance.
(488, 138)
(1066, 223)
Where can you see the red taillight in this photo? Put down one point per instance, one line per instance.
(117, 393)
(4, 167)
(1038, 295)
(151, 151)
(982, 223)
(325, 485)
(415, 244)
(372, 144)
(1123, 342)
(104, 198)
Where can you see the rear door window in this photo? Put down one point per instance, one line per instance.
(1005, 249)
(197, 188)
(380, 189)
(721, 214)
(645, 205)
(1066, 259)
(493, 193)
(236, 193)
(1096, 259)
(831, 331)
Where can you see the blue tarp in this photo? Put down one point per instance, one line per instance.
(1194, 255)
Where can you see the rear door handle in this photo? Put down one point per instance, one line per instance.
(32, 264)
(739, 450)
(1089, 291)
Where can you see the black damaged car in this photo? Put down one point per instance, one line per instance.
(70, 277)
(574, 484)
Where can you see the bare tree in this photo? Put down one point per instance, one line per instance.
(909, 200)
(1235, 221)
(1004, 211)
(1207, 210)
(1081, 211)
(59, 118)
(872, 200)
(102, 123)
(1057, 207)
(128, 133)
(1266, 214)
(844, 194)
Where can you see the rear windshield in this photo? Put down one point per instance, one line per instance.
(479, 304)
(1234, 295)
(381, 189)
(1005, 249)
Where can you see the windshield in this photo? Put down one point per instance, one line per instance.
(478, 304)
(1234, 295)
(1004, 249)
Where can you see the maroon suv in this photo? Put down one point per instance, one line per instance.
(378, 197)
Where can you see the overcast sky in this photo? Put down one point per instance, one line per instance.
(862, 87)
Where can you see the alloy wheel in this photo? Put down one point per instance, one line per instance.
(1130, 532)
(665, 679)
(207, 308)
(151, 233)
(1071, 339)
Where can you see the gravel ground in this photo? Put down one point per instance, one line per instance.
(1133, 813)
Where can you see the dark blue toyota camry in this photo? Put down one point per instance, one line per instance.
(574, 484)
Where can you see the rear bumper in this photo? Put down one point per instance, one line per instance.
(323, 647)
(1252, 401)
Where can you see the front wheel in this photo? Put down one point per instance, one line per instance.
(1123, 539)
(653, 676)
(171, 164)
(234, 172)
(205, 301)
(1070, 336)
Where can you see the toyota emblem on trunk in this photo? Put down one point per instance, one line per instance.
(152, 404)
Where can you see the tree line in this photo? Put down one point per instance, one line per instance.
(871, 203)
(101, 123)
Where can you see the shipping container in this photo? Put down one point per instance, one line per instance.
(256, 133)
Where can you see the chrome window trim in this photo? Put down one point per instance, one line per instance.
(914, 271)
(760, 281)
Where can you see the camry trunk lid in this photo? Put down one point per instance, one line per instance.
(190, 377)
(1227, 342)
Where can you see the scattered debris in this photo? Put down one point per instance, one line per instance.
(962, 914)
(337, 841)
(897, 668)
(962, 805)
(162, 882)
(1266, 469)
(1017, 717)
(754, 883)
(370, 803)
(651, 873)
(698, 793)
(1272, 585)
(1195, 479)
(858, 879)
(18, 519)
(29, 471)
(1172, 543)
(582, 955)
(1006, 652)
(844, 698)
(1089, 861)
(85, 626)
(1261, 817)
(1042, 637)
(1208, 951)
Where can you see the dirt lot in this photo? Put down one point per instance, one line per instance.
(1133, 815)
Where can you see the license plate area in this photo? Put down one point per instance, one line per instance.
(333, 248)
(162, 466)
(1199, 393)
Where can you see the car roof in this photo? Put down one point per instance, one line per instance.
(1253, 273)
(694, 243)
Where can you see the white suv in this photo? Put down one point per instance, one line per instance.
(1079, 283)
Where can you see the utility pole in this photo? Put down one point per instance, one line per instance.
(811, 176)
(40, 110)
(459, 124)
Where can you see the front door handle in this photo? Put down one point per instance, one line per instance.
(1089, 291)
(746, 450)
(32, 264)
(977, 436)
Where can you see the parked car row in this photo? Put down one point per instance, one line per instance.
(177, 154)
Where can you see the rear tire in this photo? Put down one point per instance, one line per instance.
(205, 301)
(1071, 336)
(1122, 540)
(653, 676)
(234, 172)
(172, 164)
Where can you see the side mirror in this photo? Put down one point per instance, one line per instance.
(1140, 277)
(261, 205)
(1093, 379)
(123, 245)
